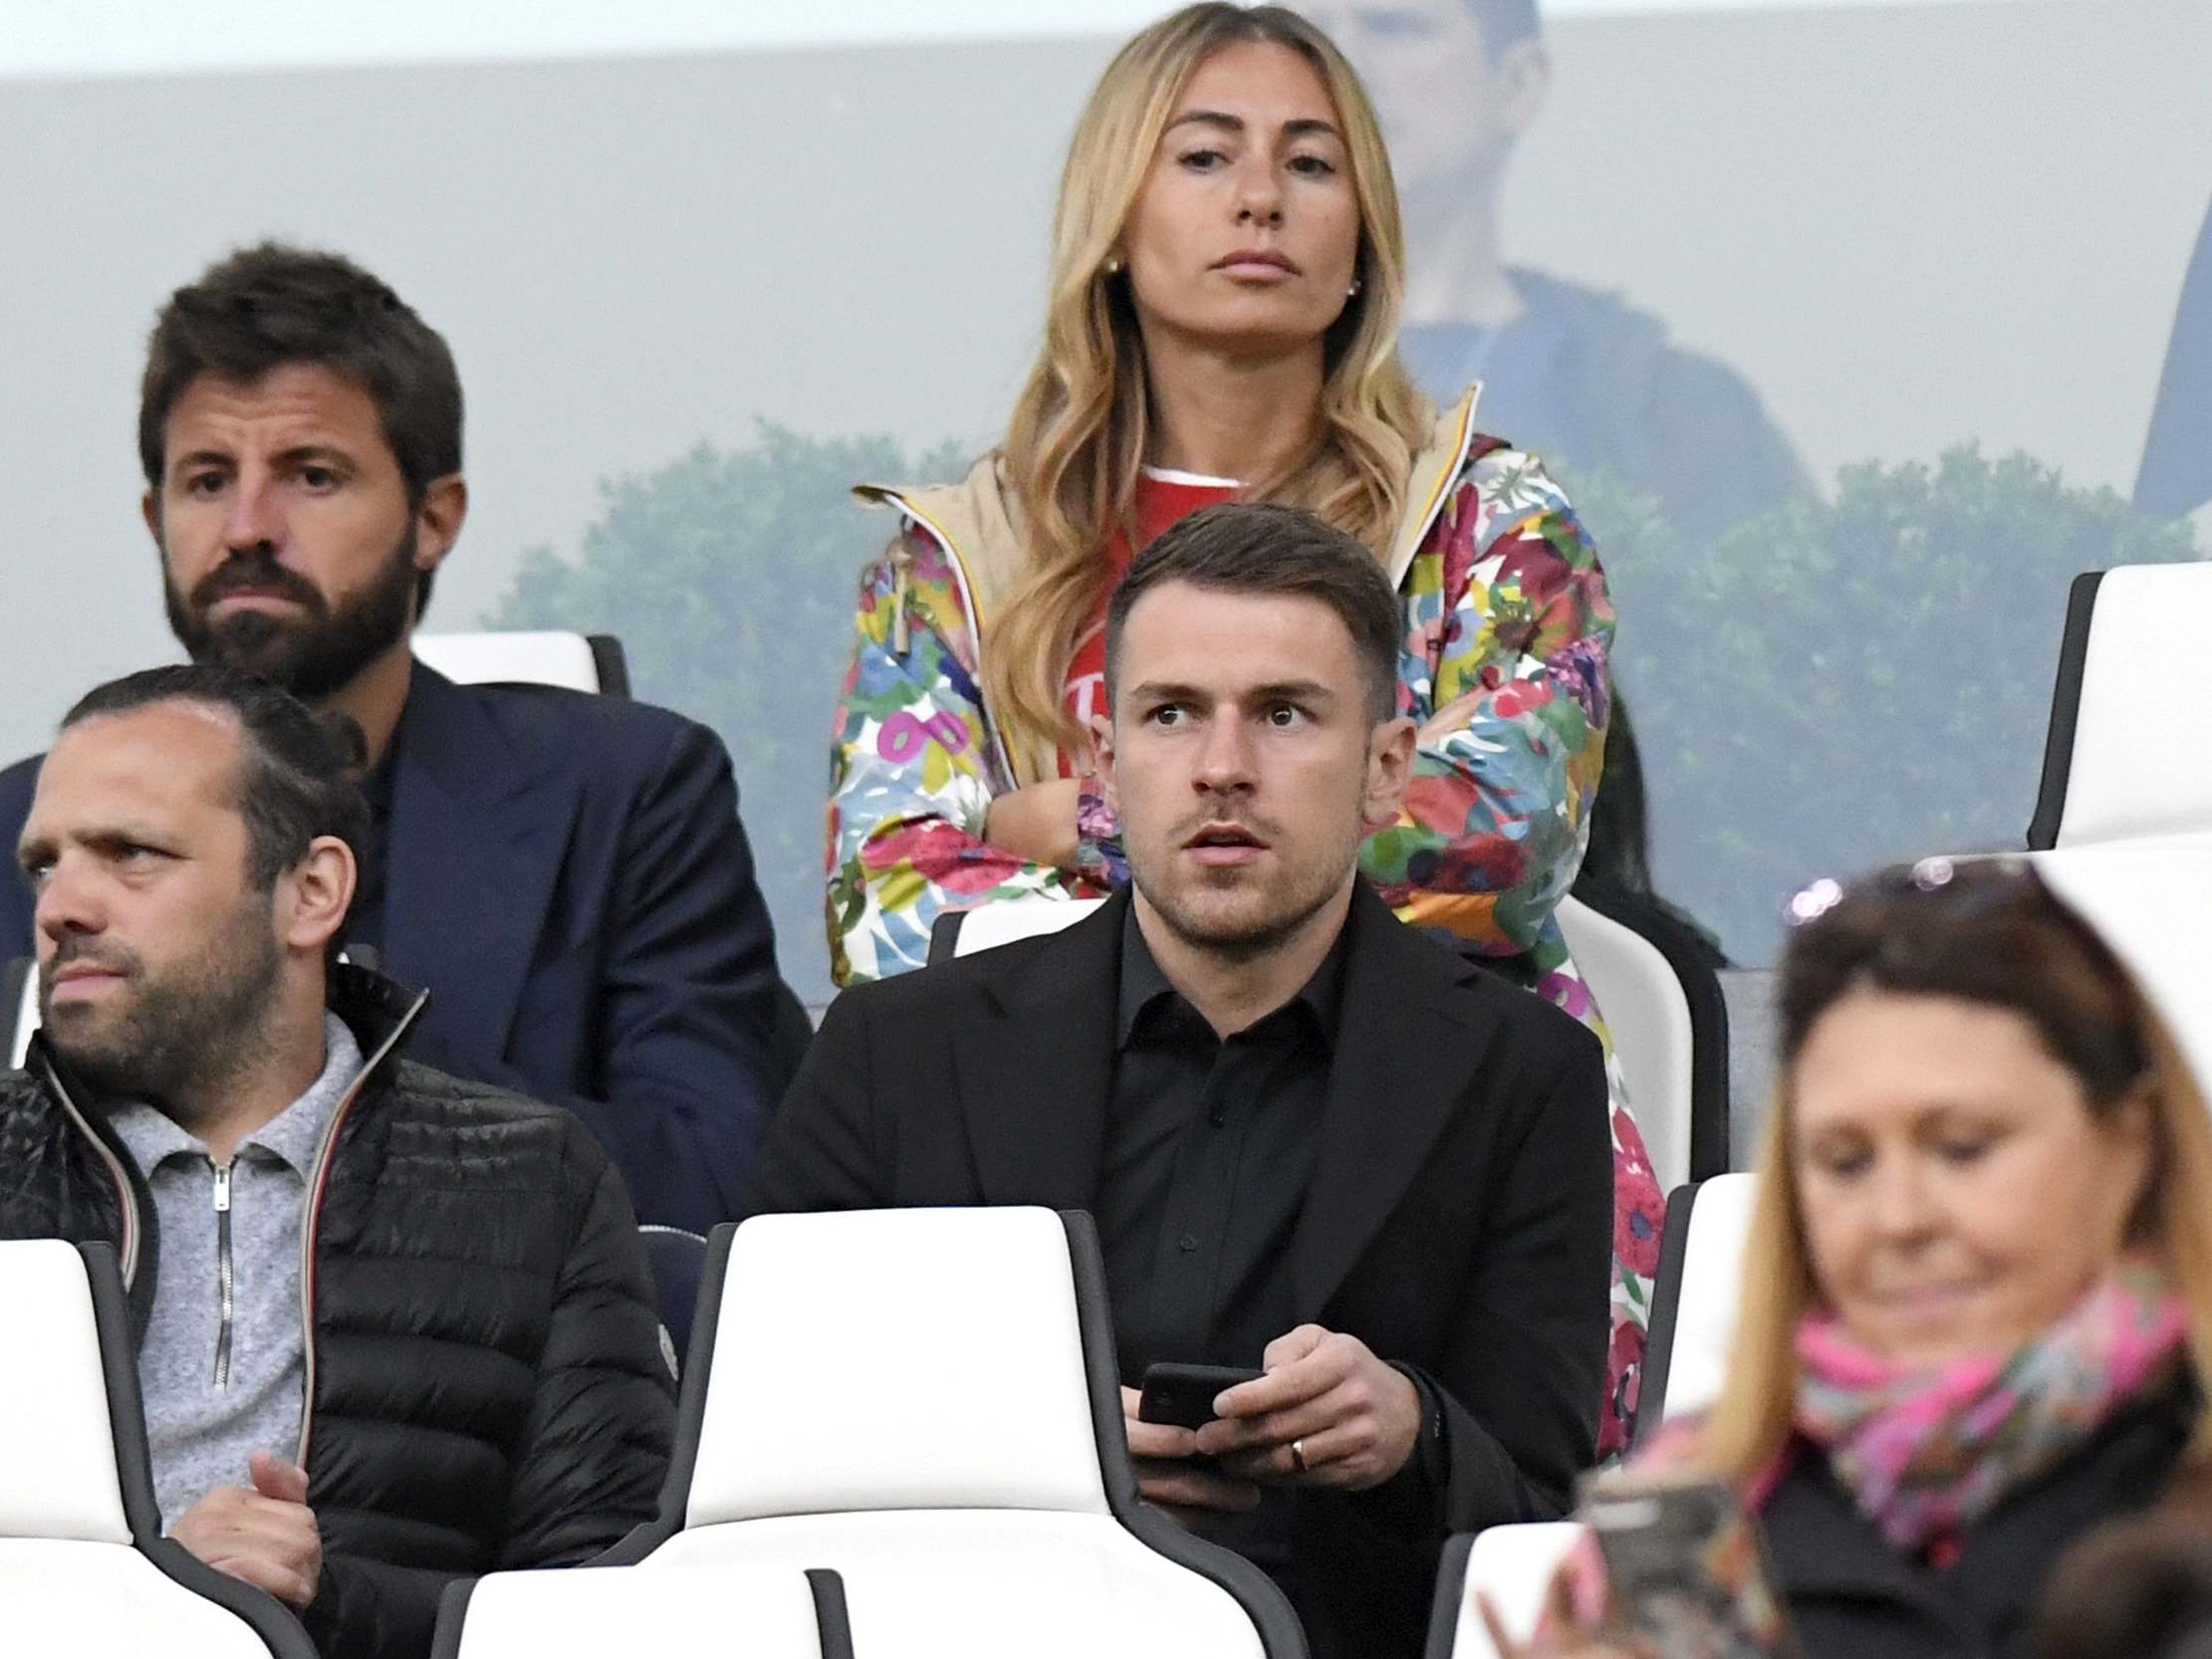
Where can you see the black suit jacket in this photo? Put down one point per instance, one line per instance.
(1459, 1220)
(568, 877)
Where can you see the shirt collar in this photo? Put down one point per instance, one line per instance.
(295, 1134)
(1142, 985)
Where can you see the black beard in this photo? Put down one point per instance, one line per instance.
(189, 1026)
(313, 658)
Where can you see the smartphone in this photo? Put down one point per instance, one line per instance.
(1184, 1394)
(1685, 1572)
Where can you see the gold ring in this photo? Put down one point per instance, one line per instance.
(1298, 1453)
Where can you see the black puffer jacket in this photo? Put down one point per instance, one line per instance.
(484, 1362)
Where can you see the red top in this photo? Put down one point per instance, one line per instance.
(1160, 502)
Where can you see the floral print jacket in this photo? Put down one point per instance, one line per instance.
(1507, 623)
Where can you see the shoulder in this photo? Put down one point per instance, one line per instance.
(504, 1139)
(941, 992)
(1510, 1031)
(589, 734)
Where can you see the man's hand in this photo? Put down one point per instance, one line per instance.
(267, 1537)
(1037, 822)
(1353, 1419)
(1167, 1479)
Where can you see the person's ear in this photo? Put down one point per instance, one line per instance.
(1389, 769)
(314, 894)
(1101, 759)
(1522, 76)
(438, 523)
(149, 509)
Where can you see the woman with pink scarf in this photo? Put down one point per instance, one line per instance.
(1977, 1305)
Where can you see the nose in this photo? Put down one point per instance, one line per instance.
(69, 901)
(1259, 191)
(1903, 1212)
(1225, 760)
(253, 519)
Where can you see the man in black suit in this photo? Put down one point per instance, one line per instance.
(565, 873)
(1313, 1141)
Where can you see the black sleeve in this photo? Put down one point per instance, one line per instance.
(1521, 1383)
(594, 1451)
(823, 1152)
(591, 1455)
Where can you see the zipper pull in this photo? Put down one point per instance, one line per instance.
(222, 1189)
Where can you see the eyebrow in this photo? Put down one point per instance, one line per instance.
(1277, 691)
(297, 456)
(1304, 127)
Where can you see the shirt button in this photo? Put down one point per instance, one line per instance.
(1187, 1243)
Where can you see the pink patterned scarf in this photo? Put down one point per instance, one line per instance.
(1928, 1453)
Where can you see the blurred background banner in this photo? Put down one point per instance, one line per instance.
(1866, 307)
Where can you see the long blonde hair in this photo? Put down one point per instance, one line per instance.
(1078, 436)
(1991, 933)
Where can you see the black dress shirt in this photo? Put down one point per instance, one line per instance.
(1210, 1151)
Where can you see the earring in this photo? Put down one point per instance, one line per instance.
(1112, 267)
(1353, 292)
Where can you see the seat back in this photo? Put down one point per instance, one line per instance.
(2133, 644)
(1511, 1566)
(2144, 898)
(892, 1359)
(1693, 1311)
(964, 932)
(84, 1569)
(579, 661)
(1669, 1027)
(781, 1612)
(19, 994)
(60, 1479)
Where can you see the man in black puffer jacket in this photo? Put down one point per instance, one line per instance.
(394, 1327)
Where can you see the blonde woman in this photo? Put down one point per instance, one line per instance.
(1977, 1307)
(1226, 274)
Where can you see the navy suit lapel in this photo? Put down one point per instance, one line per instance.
(1402, 1062)
(1037, 1077)
(477, 834)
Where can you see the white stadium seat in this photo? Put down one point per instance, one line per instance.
(2133, 686)
(579, 661)
(1693, 1308)
(923, 1403)
(964, 932)
(84, 1567)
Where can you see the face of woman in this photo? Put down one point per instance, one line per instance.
(1958, 1197)
(1246, 232)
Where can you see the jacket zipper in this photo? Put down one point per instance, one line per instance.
(128, 1248)
(311, 1218)
(224, 1283)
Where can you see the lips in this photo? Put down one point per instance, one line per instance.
(1224, 844)
(1257, 262)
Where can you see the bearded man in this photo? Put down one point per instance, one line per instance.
(566, 873)
(1316, 1144)
(392, 1328)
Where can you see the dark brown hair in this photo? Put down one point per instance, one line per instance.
(271, 305)
(1986, 930)
(1249, 546)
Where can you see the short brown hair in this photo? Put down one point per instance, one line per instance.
(1252, 547)
(271, 305)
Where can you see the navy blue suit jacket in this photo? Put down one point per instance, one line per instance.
(568, 877)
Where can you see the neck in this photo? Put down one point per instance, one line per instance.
(1456, 272)
(1232, 989)
(269, 1070)
(374, 696)
(1227, 415)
